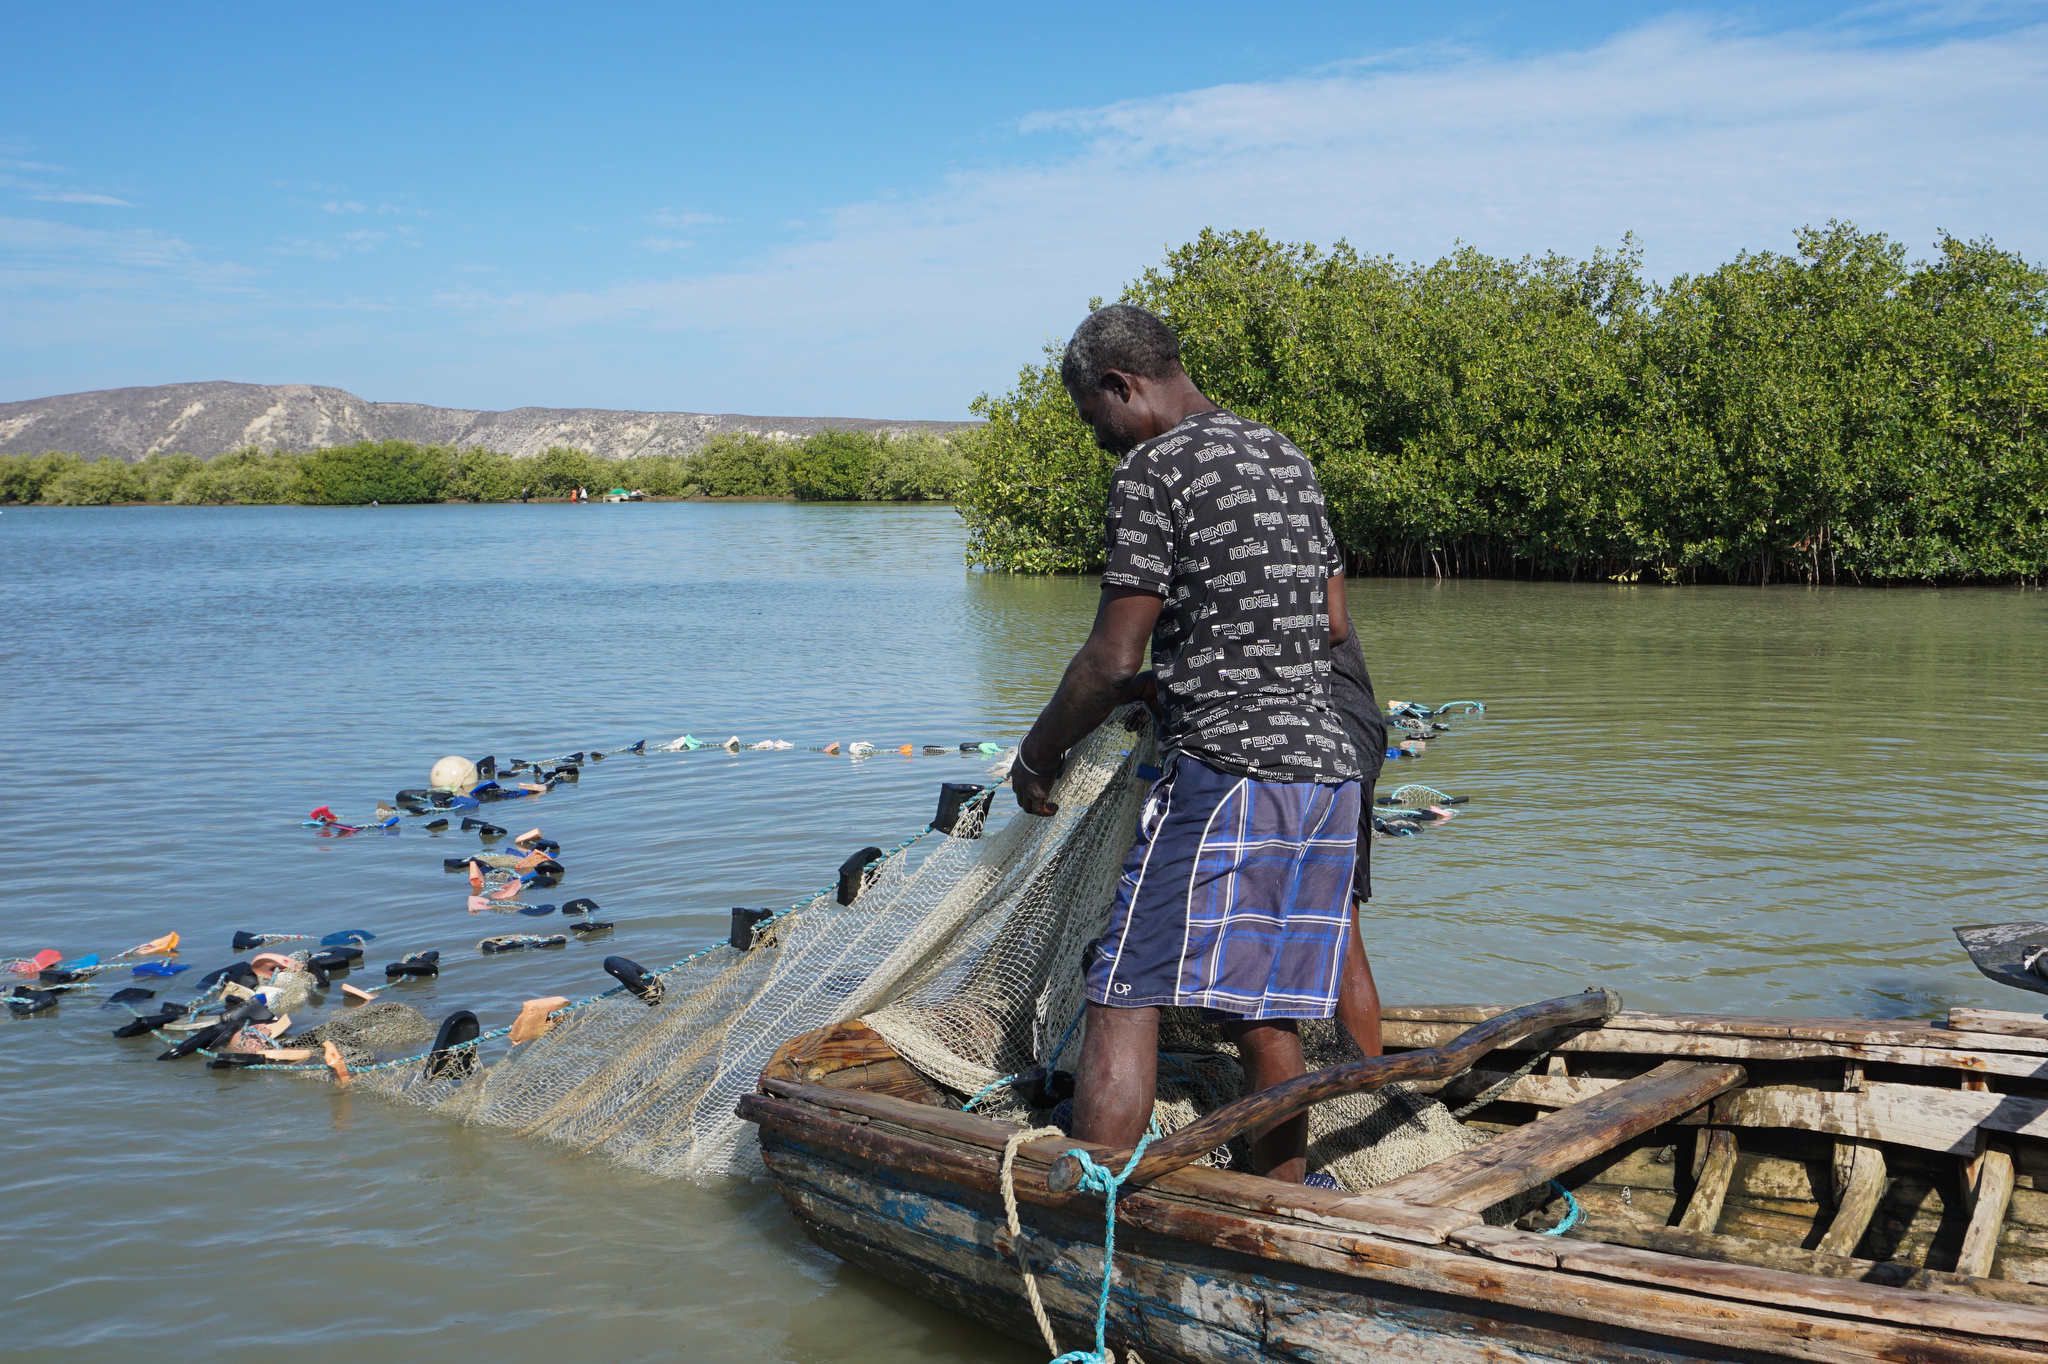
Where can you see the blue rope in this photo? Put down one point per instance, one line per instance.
(1571, 1211)
(1098, 1179)
(991, 1087)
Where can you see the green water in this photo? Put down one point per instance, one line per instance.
(1707, 799)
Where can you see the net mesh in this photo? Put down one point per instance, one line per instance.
(965, 956)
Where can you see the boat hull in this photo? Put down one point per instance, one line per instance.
(1171, 1301)
(1713, 1258)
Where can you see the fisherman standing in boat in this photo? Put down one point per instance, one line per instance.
(1236, 895)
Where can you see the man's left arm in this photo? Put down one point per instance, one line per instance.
(1104, 674)
(1340, 612)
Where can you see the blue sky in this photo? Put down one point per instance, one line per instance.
(881, 211)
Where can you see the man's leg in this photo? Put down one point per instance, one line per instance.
(1271, 1048)
(1358, 998)
(1119, 1072)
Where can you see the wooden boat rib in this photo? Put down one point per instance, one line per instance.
(1749, 1188)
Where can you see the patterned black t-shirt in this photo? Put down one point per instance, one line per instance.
(1224, 519)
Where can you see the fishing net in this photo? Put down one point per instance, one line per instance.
(965, 954)
(363, 1034)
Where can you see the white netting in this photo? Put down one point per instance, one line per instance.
(967, 960)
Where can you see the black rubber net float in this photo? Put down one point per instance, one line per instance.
(196, 1041)
(417, 965)
(853, 874)
(745, 924)
(25, 1002)
(150, 1022)
(591, 928)
(453, 1056)
(580, 905)
(234, 1060)
(521, 942)
(637, 979)
(234, 973)
(955, 799)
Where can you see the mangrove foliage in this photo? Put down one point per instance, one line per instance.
(827, 466)
(1839, 413)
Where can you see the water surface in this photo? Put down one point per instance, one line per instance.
(1723, 799)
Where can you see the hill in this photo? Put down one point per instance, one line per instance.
(212, 418)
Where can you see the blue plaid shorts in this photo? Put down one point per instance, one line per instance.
(1236, 897)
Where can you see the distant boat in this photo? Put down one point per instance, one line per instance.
(625, 495)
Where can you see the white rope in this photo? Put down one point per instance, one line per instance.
(1017, 1139)
(1010, 1219)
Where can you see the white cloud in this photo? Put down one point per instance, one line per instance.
(72, 196)
(356, 241)
(382, 208)
(1703, 139)
(27, 243)
(682, 218)
(666, 243)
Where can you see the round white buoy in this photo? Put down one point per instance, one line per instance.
(453, 773)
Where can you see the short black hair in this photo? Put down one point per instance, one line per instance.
(1122, 336)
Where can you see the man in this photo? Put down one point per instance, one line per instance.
(1235, 897)
(1358, 999)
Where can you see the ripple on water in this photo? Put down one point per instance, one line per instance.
(1707, 799)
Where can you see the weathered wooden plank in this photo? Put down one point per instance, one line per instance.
(1862, 1190)
(1241, 1193)
(1554, 1143)
(1755, 1284)
(1856, 1032)
(1907, 1115)
(1990, 1199)
(814, 1056)
(1568, 1301)
(1768, 1254)
(1615, 1041)
(1999, 1021)
(1257, 1112)
(1710, 1190)
(1539, 1091)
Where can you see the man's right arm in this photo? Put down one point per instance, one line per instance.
(1139, 552)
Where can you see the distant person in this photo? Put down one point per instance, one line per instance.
(1236, 895)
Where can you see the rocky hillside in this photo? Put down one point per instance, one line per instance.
(212, 418)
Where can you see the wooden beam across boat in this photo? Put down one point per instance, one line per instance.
(1256, 1112)
(1544, 1149)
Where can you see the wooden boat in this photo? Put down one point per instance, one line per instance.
(1748, 1188)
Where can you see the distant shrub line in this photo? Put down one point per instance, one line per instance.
(1838, 414)
(827, 466)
